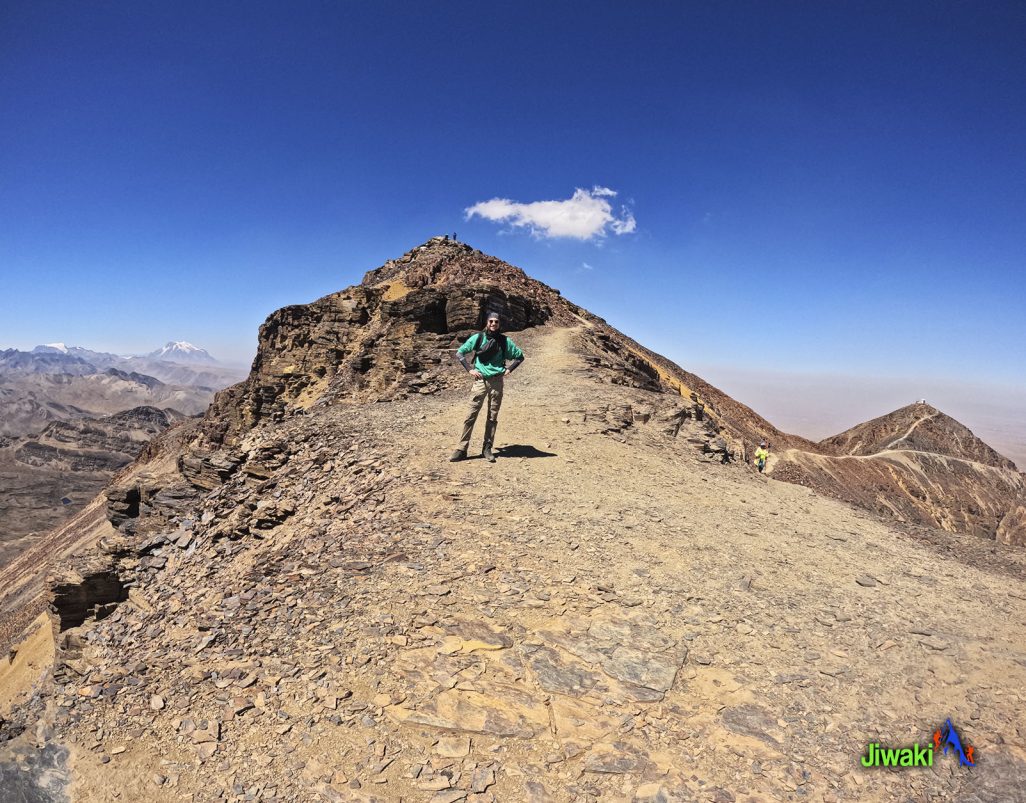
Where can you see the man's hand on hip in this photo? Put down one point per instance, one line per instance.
(476, 374)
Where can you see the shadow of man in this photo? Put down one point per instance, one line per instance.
(523, 450)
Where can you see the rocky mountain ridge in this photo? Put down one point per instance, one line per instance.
(916, 427)
(917, 465)
(393, 335)
(296, 598)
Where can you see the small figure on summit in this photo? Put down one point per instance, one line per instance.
(491, 351)
(761, 456)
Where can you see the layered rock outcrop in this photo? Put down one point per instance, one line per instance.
(394, 334)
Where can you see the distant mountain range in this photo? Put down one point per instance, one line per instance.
(57, 382)
(177, 363)
(173, 351)
(70, 417)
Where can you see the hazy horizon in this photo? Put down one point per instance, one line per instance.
(818, 406)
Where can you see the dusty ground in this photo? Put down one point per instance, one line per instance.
(600, 617)
(23, 666)
(758, 579)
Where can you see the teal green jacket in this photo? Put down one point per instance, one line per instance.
(496, 364)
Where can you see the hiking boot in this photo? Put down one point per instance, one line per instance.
(458, 455)
(489, 438)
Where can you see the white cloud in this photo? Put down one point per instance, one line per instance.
(586, 266)
(584, 216)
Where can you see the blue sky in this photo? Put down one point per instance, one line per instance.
(814, 187)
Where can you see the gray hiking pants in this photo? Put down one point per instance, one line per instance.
(490, 389)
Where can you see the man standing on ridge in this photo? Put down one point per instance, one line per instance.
(491, 351)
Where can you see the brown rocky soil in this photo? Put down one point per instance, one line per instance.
(300, 599)
(596, 616)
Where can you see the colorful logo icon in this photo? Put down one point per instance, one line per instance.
(951, 740)
(921, 755)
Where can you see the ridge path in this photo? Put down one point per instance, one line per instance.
(695, 628)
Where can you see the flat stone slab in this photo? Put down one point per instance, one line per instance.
(556, 675)
(453, 746)
(655, 671)
(478, 635)
(616, 759)
(751, 720)
(635, 652)
(502, 710)
(636, 633)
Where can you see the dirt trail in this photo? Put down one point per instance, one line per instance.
(810, 628)
(911, 429)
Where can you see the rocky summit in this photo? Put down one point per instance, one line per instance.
(298, 598)
(918, 466)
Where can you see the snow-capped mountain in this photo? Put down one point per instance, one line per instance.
(180, 351)
(101, 359)
(178, 363)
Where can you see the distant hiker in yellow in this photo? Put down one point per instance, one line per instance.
(761, 456)
(491, 351)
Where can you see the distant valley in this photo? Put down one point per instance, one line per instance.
(71, 417)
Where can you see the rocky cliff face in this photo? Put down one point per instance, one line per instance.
(297, 598)
(391, 335)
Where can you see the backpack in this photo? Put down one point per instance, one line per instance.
(487, 349)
